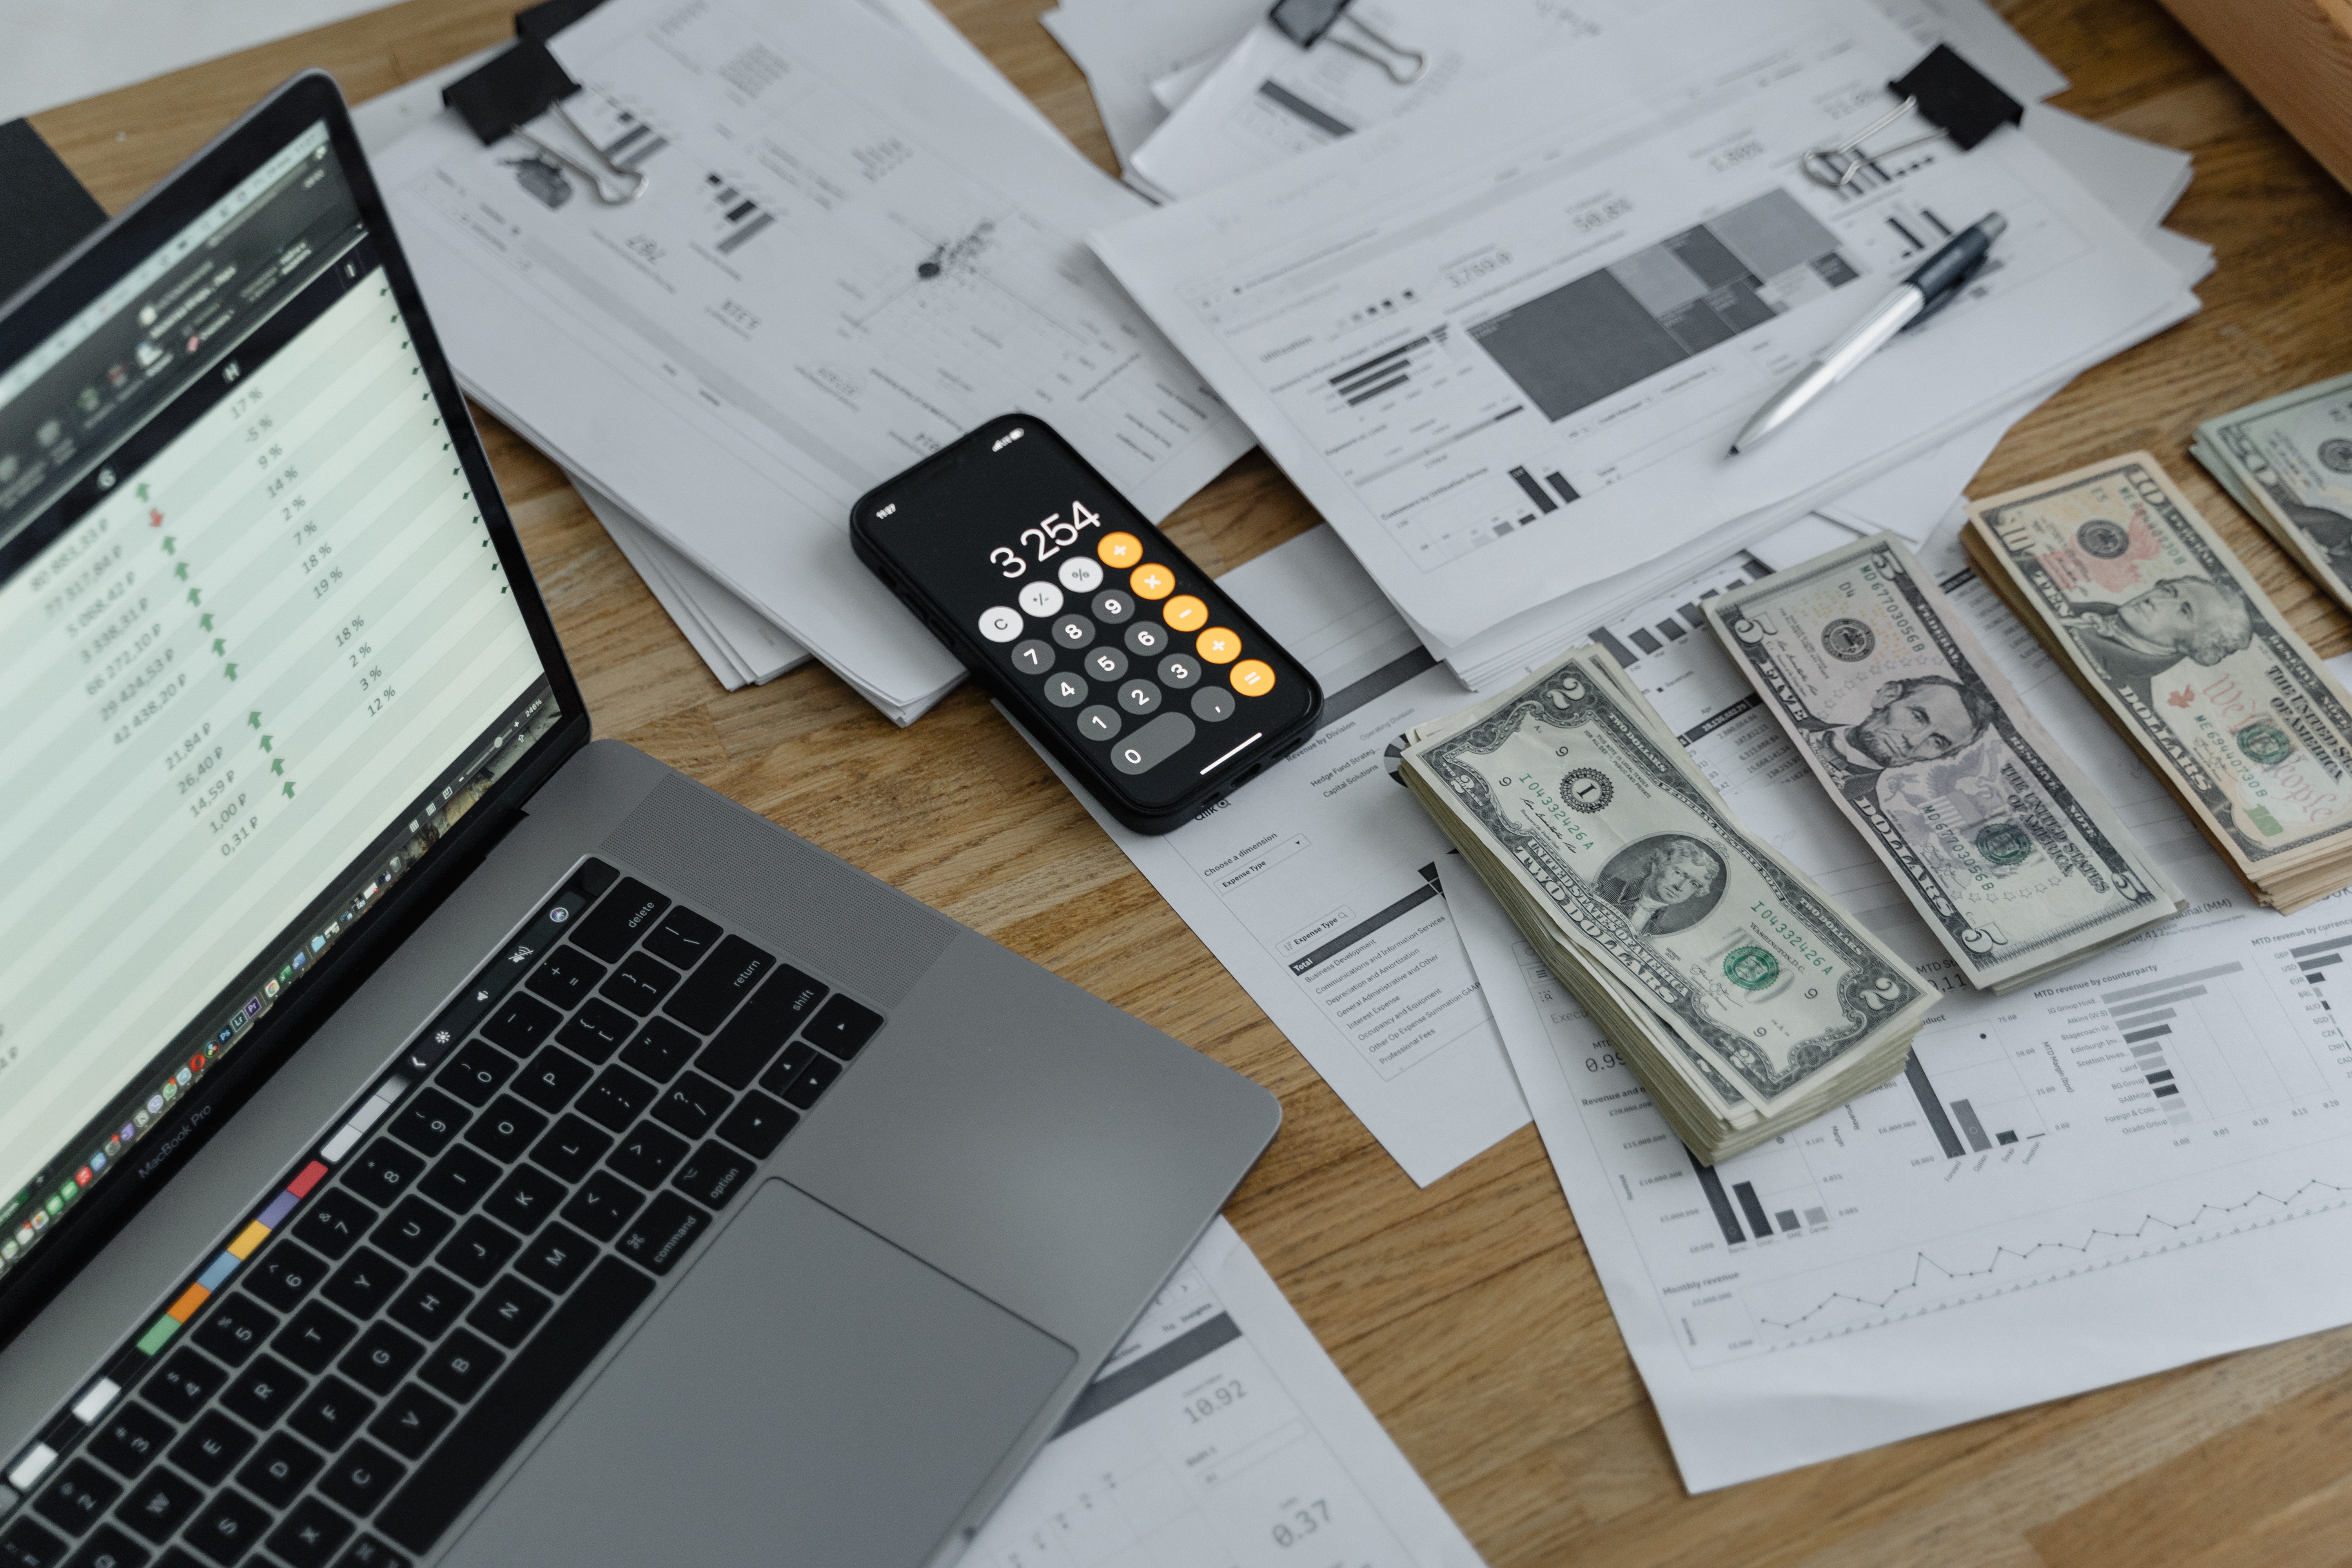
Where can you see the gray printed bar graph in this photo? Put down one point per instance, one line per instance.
(1933, 1107)
(1966, 1115)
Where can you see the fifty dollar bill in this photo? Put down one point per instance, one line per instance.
(2013, 859)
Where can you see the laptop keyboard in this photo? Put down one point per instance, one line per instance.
(340, 1383)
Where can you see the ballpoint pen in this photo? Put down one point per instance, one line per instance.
(1934, 284)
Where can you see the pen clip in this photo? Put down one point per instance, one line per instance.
(1949, 292)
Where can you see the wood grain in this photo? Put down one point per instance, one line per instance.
(1468, 1314)
(2296, 56)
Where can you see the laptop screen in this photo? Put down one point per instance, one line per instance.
(261, 656)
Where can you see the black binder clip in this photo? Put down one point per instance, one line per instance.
(503, 96)
(1944, 89)
(1308, 21)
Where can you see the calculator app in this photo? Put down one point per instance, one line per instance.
(1114, 637)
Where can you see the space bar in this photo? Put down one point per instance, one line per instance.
(504, 1415)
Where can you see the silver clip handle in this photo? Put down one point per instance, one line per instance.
(1389, 54)
(638, 179)
(1838, 166)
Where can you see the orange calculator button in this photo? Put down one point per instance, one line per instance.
(1219, 645)
(1252, 678)
(1152, 581)
(1184, 613)
(1119, 550)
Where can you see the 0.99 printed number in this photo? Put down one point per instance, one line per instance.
(1049, 539)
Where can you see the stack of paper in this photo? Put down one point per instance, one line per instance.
(1140, 56)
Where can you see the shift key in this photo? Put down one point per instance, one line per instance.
(720, 981)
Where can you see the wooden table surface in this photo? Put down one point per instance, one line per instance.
(1468, 1314)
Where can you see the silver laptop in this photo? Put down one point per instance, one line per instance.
(427, 1136)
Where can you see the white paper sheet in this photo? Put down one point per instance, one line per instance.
(53, 53)
(1125, 45)
(1317, 884)
(2138, 181)
(899, 262)
(1220, 1436)
(741, 646)
(1384, 311)
(2154, 1149)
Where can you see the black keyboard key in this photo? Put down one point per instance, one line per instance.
(475, 1073)
(334, 1411)
(463, 1178)
(638, 983)
(600, 1206)
(725, 978)
(228, 1528)
(614, 926)
(714, 1175)
(682, 939)
(383, 1171)
(335, 1221)
(460, 1364)
(813, 1081)
(556, 1258)
(309, 1536)
(359, 1476)
(264, 1390)
(660, 1048)
(546, 1370)
(790, 1065)
(648, 1154)
(597, 1030)
(110, 1548)
(79, 1498)
(570, 1148)
(210, 1449)
(757, 1124)
(593, 877)
(691, 1104)
(314, 1337)
(367, 1552)
(520, 1024)
(280, 1470)
(506, 1128)
(411, 1230)
(752, 1037)
(509, 1310)
(478, 1251)
(566, 977)
(235, 1328)
(616, 1097)
(380, 1359)
(551, 1079)
(183, 1385)
(28, 1545)
(661, 1234)
(130, 1440)
(431, 1305)
(526, 1198)
(428, 1121)
(155, 1507)
(284, 1274)
(843, 1027)
(363, 1284)
(410, 1420)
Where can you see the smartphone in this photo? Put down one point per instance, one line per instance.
(1141, 677)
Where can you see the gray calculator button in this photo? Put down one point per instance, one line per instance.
(1099, 723)
(1149, 639)
(1032, 656)
(1153, 744)
(1212, 703)
(1064, 690)
(1106, 663)
(1177, 670)
(1114, 606)
(1074, 631)
(1138, 697)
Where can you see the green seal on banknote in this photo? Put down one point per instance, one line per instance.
(1751, 968)
(2265, 743)
(2003, 843)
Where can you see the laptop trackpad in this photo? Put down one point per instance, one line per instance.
(808, 1393)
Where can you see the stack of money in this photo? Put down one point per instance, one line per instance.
(2137, 599)
(2011, 855)
(1743, 998)
(2288, 461)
